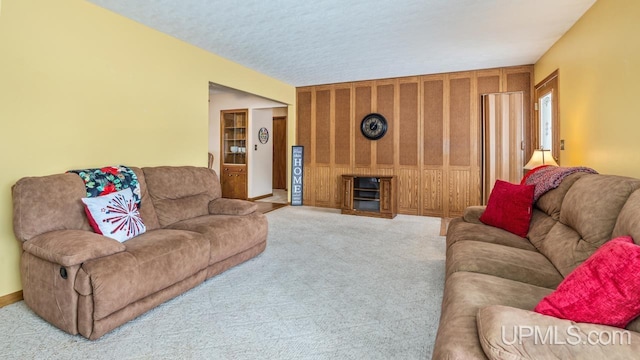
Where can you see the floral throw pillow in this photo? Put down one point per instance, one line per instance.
(115, 215)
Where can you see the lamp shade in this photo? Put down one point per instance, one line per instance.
(540, 157)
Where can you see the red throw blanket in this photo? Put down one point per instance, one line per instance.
(548, 177)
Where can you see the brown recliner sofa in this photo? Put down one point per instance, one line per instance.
(83, 282)
(494, 279)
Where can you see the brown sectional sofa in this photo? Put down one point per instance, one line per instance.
(86, 283)
(494, 279)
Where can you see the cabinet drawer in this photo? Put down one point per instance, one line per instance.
(233, 169)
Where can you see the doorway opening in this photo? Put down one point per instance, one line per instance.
(279, 162)
(254, 143)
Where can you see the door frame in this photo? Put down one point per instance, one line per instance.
(548, 85)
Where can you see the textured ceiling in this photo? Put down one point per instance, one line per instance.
(329, 41)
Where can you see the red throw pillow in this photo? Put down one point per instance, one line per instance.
(509, 207)
(602, 290)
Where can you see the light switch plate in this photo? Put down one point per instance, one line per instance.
(562, 144)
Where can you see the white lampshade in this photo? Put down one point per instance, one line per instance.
(540, 157)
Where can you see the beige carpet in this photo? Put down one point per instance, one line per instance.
(328, 286)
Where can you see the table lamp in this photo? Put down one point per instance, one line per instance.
(540, 157)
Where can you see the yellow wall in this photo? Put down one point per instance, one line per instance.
(83, 87)
(599, 79)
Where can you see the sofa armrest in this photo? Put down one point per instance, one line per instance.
(472, 214)
(222, 206)
(509, 333)
(71, 247)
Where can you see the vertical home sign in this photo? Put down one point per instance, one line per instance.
(297, 169)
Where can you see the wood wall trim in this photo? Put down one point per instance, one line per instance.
(549, 77)
(549, 83)
(434, 186)
(446, 136)
(10, 298)
(475, 141)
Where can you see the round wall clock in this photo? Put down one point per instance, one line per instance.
(263, 135)
(373, 126)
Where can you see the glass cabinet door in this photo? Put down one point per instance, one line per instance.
(366, 194)
(234, 141)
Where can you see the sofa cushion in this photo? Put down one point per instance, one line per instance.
(48, 203)
(151, 262)
(224, 206)
(115, 215)
(71, 247)
(460, 230)
(509, 207)
(464, 294)
(526, 266)
(471, 214)
(508, 333)
(541, 225)
(229, 235)
(551, 201)
(593, 203)
(634, 325)
(180, 193)
(589, 212)
(147, 211)
(602, 290)
(628, 222)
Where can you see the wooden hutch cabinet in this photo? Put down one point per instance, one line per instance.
(369, 196)
(233, 178)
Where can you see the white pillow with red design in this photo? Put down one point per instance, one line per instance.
(115, 215)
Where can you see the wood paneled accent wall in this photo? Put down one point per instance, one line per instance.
(432, 145)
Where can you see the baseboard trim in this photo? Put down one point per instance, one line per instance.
(260, 197)
(10, 298)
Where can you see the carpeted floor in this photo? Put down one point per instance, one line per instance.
(328, 286)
